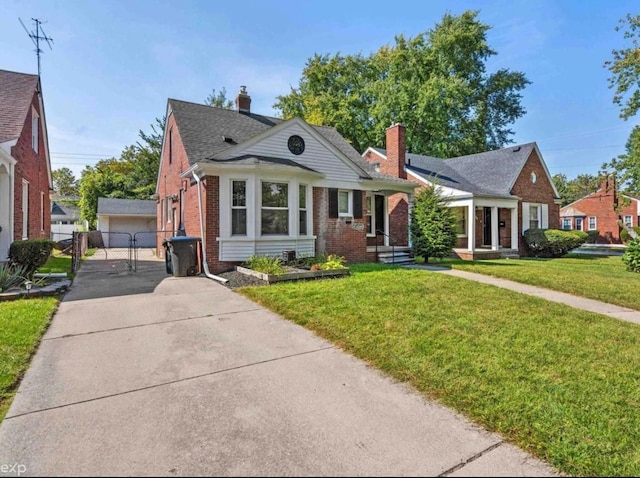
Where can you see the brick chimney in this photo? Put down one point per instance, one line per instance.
(396, 151)
(243, 101)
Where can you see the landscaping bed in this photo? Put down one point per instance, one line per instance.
(293, 273)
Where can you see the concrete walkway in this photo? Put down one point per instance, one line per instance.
(145, 374)
(615, 311)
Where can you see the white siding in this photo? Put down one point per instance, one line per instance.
(315, 156)
(231, 250)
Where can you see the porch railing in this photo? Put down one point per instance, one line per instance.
(392, 241)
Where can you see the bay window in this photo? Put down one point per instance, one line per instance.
(239, 208)
(302, 210)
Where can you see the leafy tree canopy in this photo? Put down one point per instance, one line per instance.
(131, 176)
(627, 165)
(64, 182)
(435, 83)
(219, 99)
(625, 68)
(571, 190)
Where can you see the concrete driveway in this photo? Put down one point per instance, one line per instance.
(146, 374)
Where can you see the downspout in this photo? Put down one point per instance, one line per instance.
(205, 266)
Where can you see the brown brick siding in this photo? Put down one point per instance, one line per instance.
(32, 167)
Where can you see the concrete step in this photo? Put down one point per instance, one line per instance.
(397, 260)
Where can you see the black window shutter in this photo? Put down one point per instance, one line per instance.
(357, 204)
(333, 202)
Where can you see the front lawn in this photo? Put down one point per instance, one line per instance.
(22, 323)
(560, 383)
(600, 278)
(57, 262)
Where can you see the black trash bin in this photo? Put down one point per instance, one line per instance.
(181, 255)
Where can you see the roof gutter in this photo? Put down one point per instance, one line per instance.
(205, 266)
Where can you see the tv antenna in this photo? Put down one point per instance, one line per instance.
(36, 37)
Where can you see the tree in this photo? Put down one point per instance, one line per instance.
(219, 99)
(435, 83)
(131, 176)
(627, 165)
(625, 69)
(64, 182)
(573, 189)
(433, 225)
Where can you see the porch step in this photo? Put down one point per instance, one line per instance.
(399, 257)
(510, 254)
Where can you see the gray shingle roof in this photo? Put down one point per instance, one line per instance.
(64, 212)
(128, 207)
(491, 173)
(16, 93)
(203, 128)
(570, 211)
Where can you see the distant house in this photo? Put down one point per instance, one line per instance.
(251, 184)
(25, 167)
(600, 212)
(65, 218)
(122, 221)
(497, 195)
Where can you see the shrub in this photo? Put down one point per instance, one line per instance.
(332, 262)
(11, 275)
(592, 237)
(30, 254)
(265, 264)
(631, 257)
(626, 237)
(433, 225)
(553, 242)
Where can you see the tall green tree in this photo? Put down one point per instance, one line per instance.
(627, 165)
(435, 83)
(131, 176)
(219, 99)
(64, 182)
(625, 68)
(571, 190)
(433, 225)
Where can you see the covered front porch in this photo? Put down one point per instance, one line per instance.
(487, 228)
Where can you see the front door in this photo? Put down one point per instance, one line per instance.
(486, 227)
(378, 223)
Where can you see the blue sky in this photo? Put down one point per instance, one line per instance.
(115, 63)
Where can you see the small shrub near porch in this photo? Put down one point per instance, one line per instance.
(433, 225)
(553, 242)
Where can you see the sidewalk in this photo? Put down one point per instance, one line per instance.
(145, 374)
(590, 305)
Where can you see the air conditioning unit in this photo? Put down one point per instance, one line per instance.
(288, 256)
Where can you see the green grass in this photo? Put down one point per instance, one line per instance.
(57, 262)
(599, 278)
(560, 383)
(22, 323)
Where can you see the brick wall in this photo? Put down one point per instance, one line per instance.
(602, 205)
(32, 167)
(334, 235)
(539, 192)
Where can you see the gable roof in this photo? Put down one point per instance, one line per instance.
(207, 132)
(492, 173)
(129, 207)
(63, 211)
(16, 93)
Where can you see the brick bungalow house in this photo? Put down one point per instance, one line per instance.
(267, 185)
(600, 211)
(504, 192)
(25, 167)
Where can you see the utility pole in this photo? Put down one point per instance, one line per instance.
(36, 37)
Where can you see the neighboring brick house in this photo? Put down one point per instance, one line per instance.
(600, 211)
(267, 185)
(505, 192)
(25, 167)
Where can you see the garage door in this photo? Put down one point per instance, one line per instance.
(142, 227)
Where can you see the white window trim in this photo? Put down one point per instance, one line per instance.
(581, 224)
(595, 223)
(260, 207)
(464, 219)
(369, 204)
(349, 212)
(35, 127)
(567, 220)
(306, 208)
(630, 222)
(25, 209)
(245, 207)
(169, 208)
(41, 211)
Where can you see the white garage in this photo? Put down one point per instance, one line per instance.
(122, 220)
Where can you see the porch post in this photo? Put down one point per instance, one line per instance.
(410, 208)
(494, 229)
(514, 228)
(471, 227)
